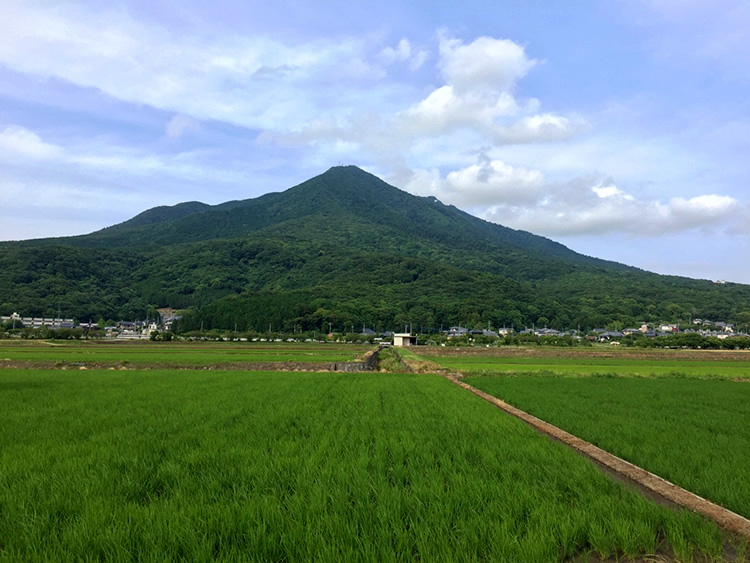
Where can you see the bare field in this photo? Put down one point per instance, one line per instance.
(584, 352)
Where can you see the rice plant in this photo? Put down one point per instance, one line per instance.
(255, 466)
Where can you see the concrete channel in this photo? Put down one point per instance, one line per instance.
(368, 363)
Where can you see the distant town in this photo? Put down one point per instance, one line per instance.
(21, 326)
(699, 333)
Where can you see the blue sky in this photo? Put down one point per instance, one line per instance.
(620, 129)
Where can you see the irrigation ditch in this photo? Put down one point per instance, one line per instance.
(368, 362)
(650, 485)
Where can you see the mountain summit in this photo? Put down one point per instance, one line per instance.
(346, 202)
(342, 247)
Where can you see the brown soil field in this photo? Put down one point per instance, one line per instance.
(585, 352)
(235, 366)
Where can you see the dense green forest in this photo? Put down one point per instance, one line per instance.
(343, 248)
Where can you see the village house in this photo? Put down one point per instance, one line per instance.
(609, 335)
(38, 322)
(457, 331)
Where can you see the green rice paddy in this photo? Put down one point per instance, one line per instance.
(196, 465)
(178, 354)
(693, 432)
(620, 364)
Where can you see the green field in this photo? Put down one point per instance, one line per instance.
(600, 360)
(689, 431)
(270, 466)
(177, 354)
(591, 366)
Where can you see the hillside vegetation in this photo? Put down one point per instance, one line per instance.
(343, 248)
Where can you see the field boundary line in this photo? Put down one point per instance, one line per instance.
(662, 488)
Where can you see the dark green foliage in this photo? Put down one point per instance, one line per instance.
(690, 340)
(159, 215)
(80, 283)
(342, 248)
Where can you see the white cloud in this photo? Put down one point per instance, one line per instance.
(96, 176)
(613, 211)
(481, 184)
(251, 81)
(485, 63)
(476, 101)
(478, 94)
(20, 141)
(521, 198)
(701, 210)
(608, 189)
(419, 59)
(540, 128)
(444, 111)
(21, 147)
(341, 100)
(402, 52)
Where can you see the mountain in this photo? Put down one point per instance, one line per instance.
(161, 214)
(343, 247)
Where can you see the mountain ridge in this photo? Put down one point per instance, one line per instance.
(346, 189)
(342, 245)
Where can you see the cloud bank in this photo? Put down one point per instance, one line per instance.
(417, 114)
(521, 198)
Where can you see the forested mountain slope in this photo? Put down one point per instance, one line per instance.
(343, 247)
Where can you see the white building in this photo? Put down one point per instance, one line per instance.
(404, 339)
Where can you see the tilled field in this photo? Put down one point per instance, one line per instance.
(586, 352)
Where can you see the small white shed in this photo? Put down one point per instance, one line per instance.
(404, 339)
